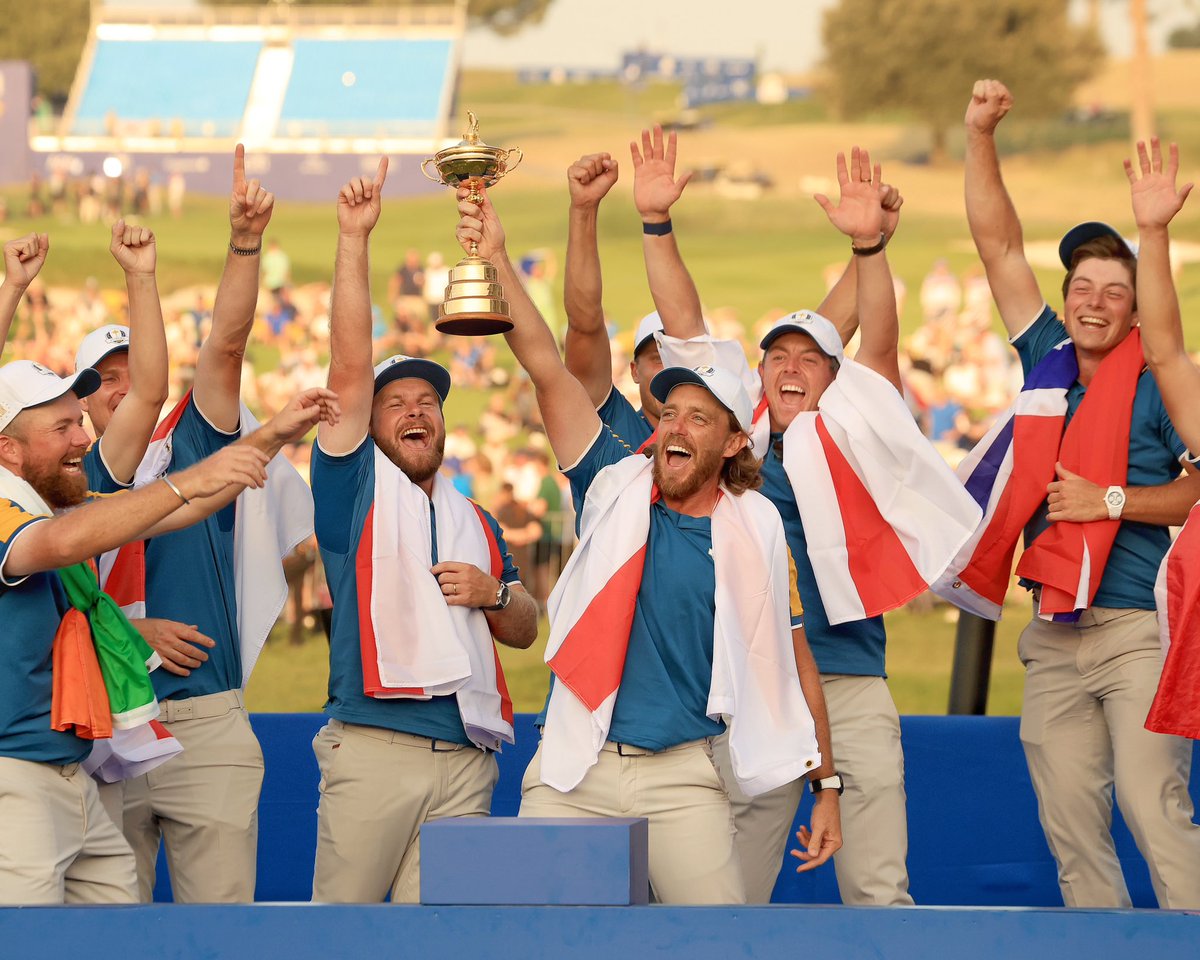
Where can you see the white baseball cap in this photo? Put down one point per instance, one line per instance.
(25, 384)
(647, 327)
(400, 367)
(726, 386)
(100, 343)
(814, 325)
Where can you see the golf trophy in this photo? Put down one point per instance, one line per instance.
(474, 303)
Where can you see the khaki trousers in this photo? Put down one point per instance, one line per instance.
(377, 788)
(870, 867)
(57, 845)
(1088, 688)
(680, 793)
(203, 804)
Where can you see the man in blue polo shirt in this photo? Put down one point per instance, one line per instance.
(1089, 683)
(58, 843)
(396, 755)
(203, 805)
(657, 759)
(801, 356)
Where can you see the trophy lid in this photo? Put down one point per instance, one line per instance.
(471, 144)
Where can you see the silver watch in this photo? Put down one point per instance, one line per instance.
(1114, 499)
(503, 597)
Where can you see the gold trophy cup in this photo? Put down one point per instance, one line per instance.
(474, 303)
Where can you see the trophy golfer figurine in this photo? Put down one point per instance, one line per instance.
(474, 303)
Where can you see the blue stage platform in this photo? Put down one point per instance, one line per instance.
(974, 837)
(592, 933)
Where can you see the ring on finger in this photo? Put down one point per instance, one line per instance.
(455, 590)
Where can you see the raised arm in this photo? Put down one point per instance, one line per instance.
(567, 411)
(303, 412)
(655, 189)
(588, 354)
(859, 216)
(23, 259)
(219, 367)
(840, 306)
(351, 373)
(128, 433)
(104, 525)
(991, 215)
(1156, 201)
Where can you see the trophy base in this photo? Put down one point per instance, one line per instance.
(474, 324)
(474, 304)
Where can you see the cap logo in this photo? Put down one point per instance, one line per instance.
(705, 371)
(115, 336)
(44, 371)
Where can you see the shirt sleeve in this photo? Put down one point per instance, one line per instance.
(1039, 338)
(510, 573)
(605, 450)
(13, 522)
(336, 482)
(99, 475)
(194, 438)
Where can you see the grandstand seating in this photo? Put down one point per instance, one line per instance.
(167, 87)
(381, 88)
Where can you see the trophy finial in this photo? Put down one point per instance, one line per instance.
(472, 135)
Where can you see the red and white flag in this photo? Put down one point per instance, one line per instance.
(1176, 707)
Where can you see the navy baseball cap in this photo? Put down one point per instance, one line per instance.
(400, 367)
(1082, 233)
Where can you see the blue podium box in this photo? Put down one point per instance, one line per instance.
(508, 861)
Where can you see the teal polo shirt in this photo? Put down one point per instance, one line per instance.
(1154, 453)
(99, 477)
(343, 492)
(663, 697)
(190, 574)
(31, 609)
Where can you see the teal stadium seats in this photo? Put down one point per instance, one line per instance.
(195, 88)
(377, 88)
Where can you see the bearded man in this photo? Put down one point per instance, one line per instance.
(422, 582)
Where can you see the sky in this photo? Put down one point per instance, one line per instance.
(784, 34)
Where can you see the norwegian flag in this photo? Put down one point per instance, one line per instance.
(1176, 707)
(1007, 474)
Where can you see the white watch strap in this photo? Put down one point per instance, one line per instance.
(1114, 500)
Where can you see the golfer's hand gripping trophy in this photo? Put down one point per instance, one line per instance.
(474, 304)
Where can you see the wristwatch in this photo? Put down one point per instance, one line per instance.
(828, 783)
(503, 597)
(1114, 499)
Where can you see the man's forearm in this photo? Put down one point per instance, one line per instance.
(530, 339)
(1158, 303)
(814, 696)
(10, 299)
(1163, 505)
(148, 361)
(515, 625)
(995, 226)
(671, 286)
(350, 306)
(840, 306)
(583, 285)
(879, 323)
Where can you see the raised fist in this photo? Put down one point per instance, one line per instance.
(590, 178)
(133, 248)
(23, 258)
(990, 101)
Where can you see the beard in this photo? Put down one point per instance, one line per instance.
(417, 465)
(58, 489)
(704, 465)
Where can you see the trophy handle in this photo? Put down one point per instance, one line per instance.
(424, 164)
(510, 167)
